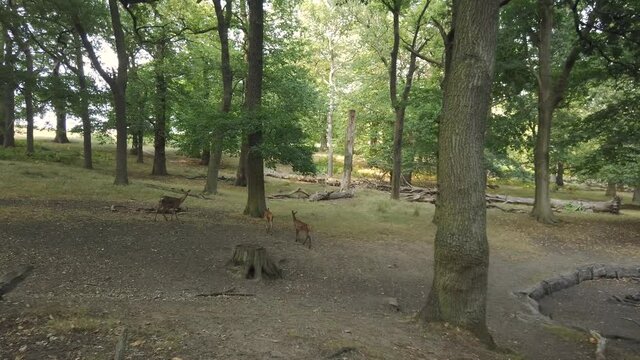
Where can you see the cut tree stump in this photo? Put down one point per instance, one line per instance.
(255, 262)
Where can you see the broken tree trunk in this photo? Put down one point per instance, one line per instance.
(302, 178)
(296, 194)
(10, 280)
(255, 261)
(330, 195)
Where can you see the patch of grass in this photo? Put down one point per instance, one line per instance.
(80, 322)
(566, 333)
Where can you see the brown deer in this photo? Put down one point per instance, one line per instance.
(171, 204)
(301, 227)
(268, 216)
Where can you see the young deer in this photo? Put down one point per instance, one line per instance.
(171, 204)
(268, 216)
(301, 227)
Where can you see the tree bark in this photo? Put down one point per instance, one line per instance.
(29, 85)
(546, 98)
(160, 125)
(84, 106)
(560, 174)
(256, 203)
(459, 291)
(241, 172)
(9, 92)
(348, 152)
(59, 101)
(611, 189)
(636, 196)
(332, 108)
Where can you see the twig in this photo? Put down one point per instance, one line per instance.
(228, 292)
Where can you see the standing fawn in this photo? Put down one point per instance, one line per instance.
(171, 204)
(268, 216)
(302, 227)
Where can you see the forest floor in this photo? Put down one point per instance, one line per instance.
(97, 272)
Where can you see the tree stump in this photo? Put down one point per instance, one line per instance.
(255, 261)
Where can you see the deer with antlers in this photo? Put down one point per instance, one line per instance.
(268, 216)
(170, 204)
(301, 227)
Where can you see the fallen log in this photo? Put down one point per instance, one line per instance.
(10, 280)
(612, 206)
(296, 194)
(330, 195)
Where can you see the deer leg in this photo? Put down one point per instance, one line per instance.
(297, 236)
(309, 239)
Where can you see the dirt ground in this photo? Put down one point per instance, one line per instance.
(100, 272)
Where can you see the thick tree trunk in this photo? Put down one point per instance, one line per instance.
(160, 133)
(636, 196)
(256, 203)
(611, 189)
(560, 174)
(546, 103)
(84, 107)
(459, 291)
(348, 152)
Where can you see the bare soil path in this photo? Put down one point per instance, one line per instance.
(100, 271)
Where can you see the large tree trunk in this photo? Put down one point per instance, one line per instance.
(546, 103)
(611, 189)
(636, 196)
(211, 186)
(458, 294)
(348, 152)
(256, 203)
(84, 107)
(160, 133)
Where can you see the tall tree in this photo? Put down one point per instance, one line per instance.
(10, 82)
(256, 203)
(117, 84)
(59, 101)
(459, 291)
(224, 21)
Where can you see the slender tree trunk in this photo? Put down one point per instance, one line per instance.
(256, 202)
(458, 294)
(120, 104)
(28, 97)
(331, 110)
(9, 93)
(560, 174)
(546, 103)
(84, 107)
(227, 92)
(211, 186)
(396, 176)
(4, 69)
(160, 133)
(636, 196)
(59, 106)
(140, 145)
(611, 189)
(348, 152)
(241, 172)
